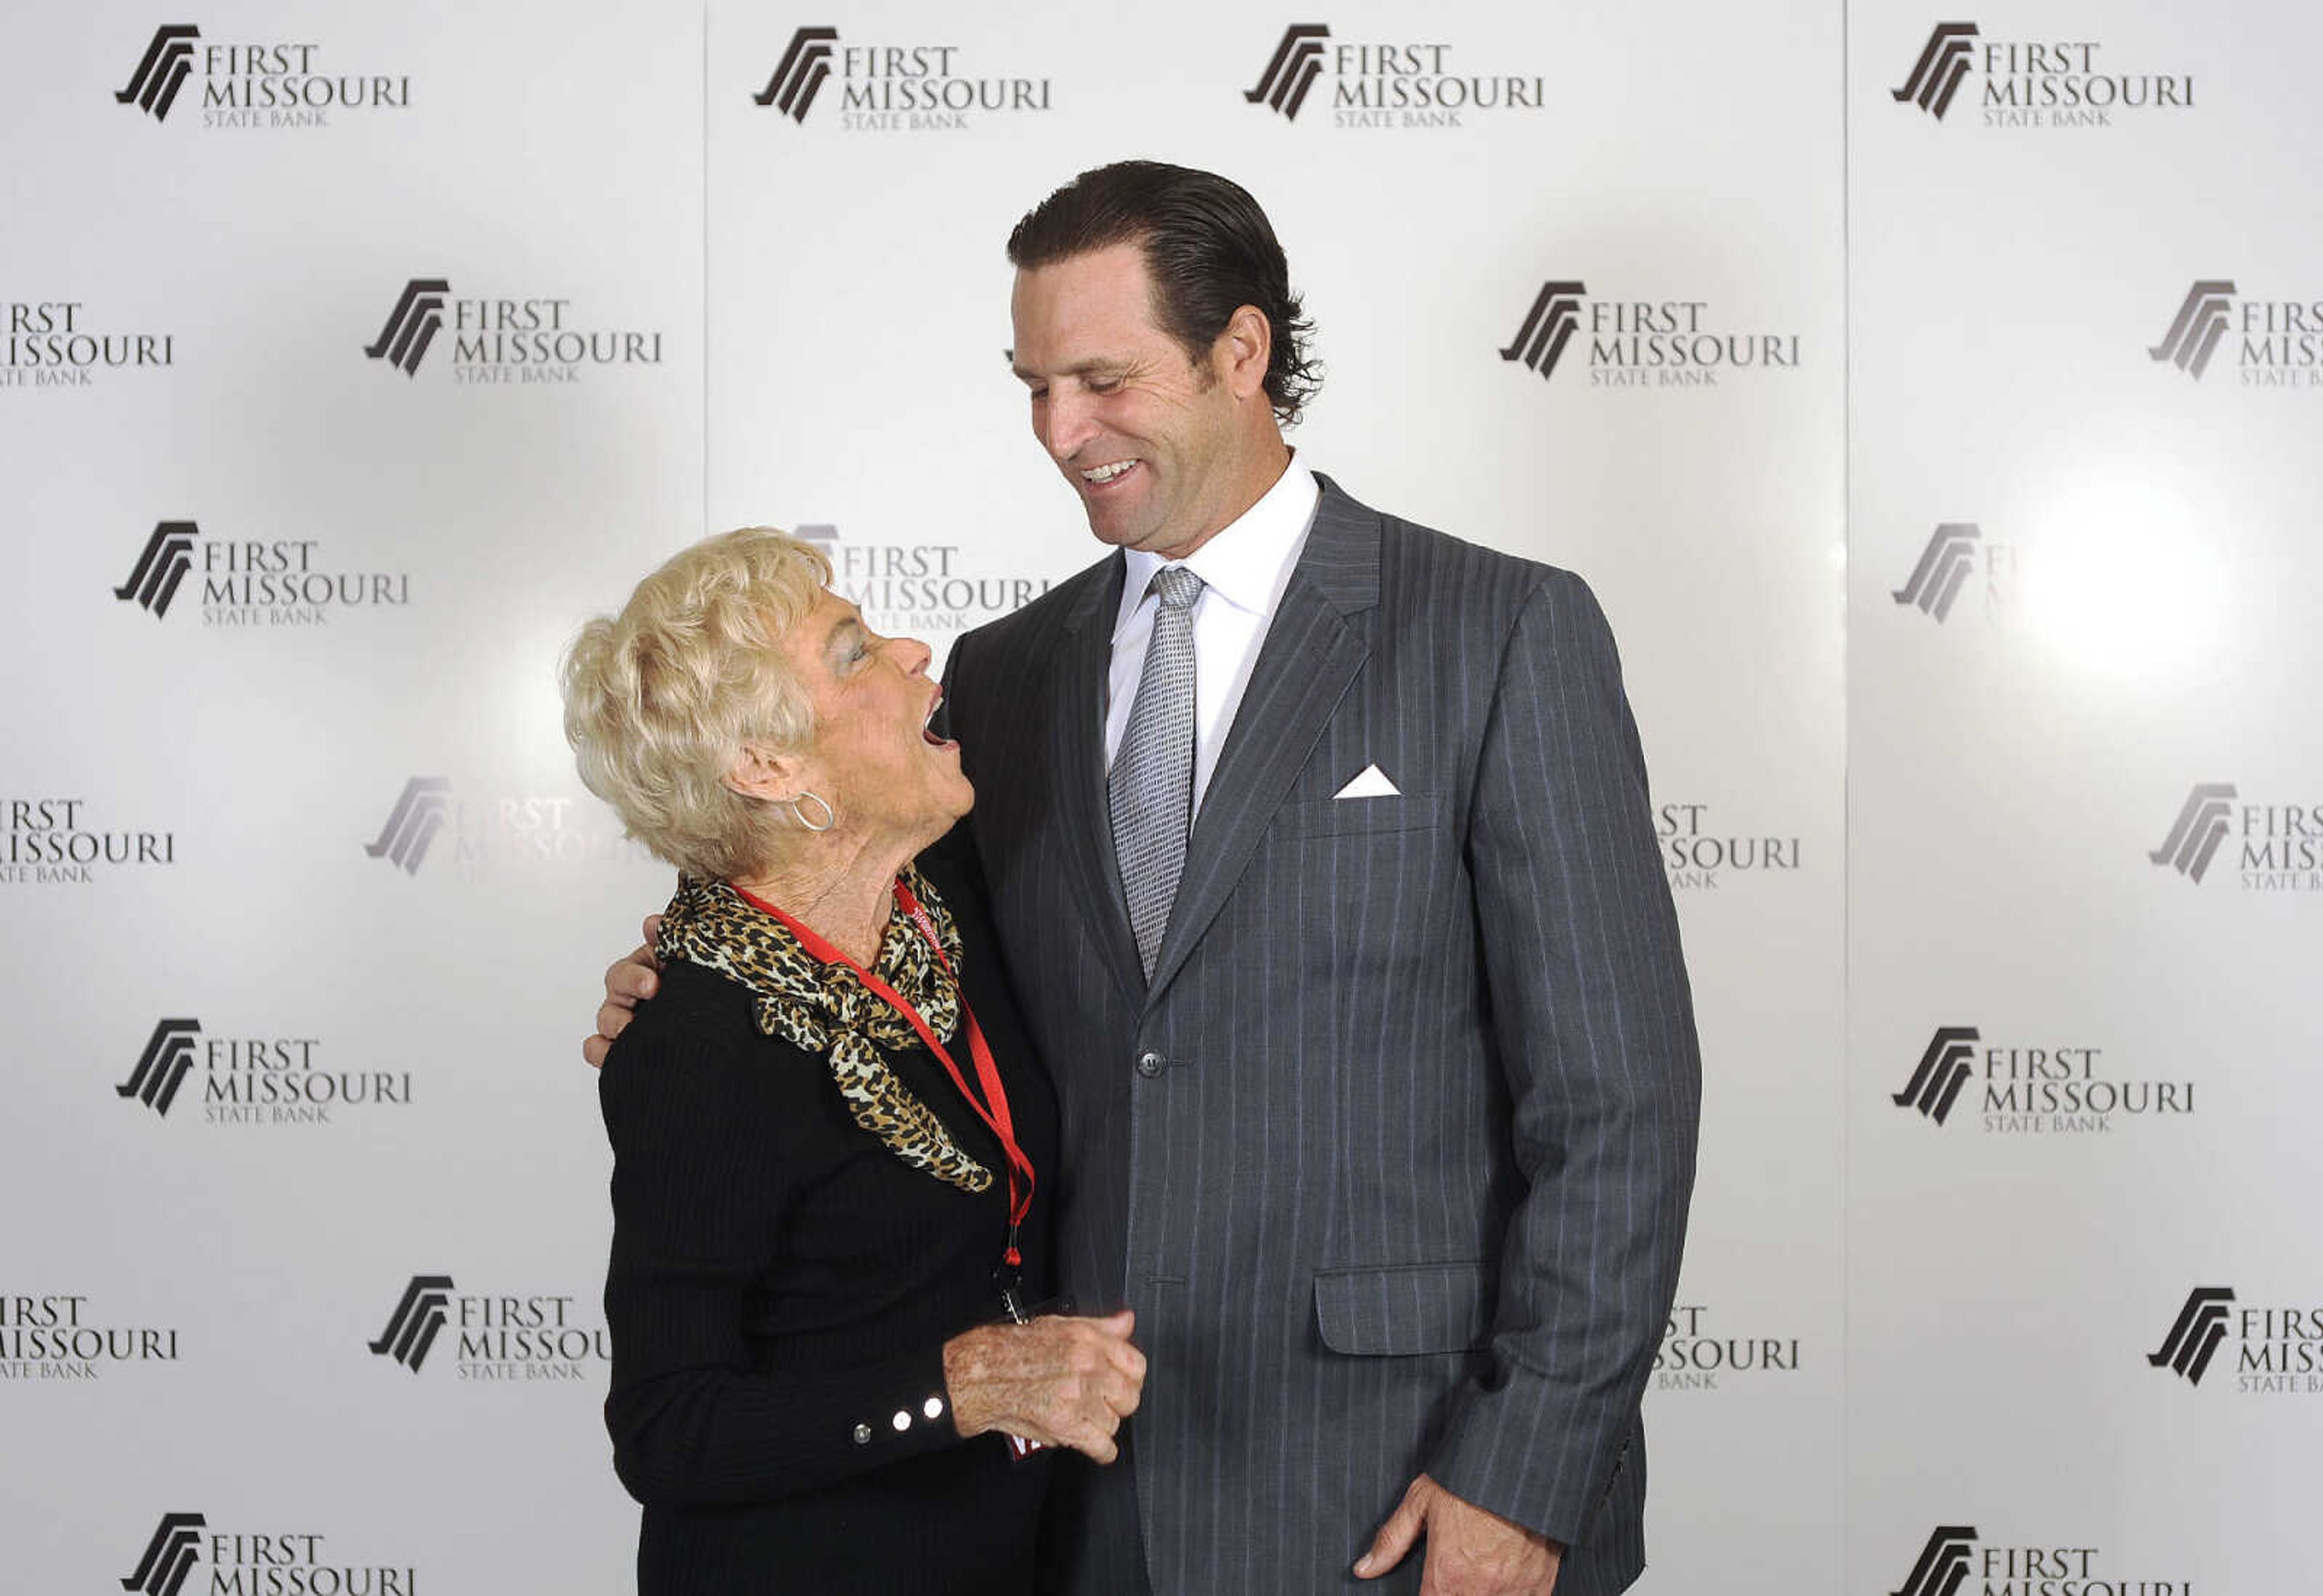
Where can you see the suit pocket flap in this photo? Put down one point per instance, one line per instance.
(1403, 1308)
(1343, 817)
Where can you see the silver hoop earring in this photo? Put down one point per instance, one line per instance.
(829, 815)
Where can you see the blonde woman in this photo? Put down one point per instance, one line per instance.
(832, 1145)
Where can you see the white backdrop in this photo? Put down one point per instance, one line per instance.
(302, 822)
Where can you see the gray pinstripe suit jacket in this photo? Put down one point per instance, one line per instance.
(1394, 1155)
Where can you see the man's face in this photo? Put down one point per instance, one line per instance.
(1147, 438)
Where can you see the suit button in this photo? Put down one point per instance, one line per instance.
(1149, 1065)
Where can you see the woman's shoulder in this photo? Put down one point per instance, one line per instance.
(698, 1038)
(691, 1004)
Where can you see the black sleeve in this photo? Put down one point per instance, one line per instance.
(701, 1184)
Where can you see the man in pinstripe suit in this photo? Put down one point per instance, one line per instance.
(1392, 1148)
(1385, 1120)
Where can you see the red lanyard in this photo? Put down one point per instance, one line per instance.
(992, 1108)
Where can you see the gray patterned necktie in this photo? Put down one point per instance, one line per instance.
(1150, 788)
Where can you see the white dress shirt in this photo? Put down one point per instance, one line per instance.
(1244, 568)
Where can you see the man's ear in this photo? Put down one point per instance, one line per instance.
(758, 772)
(1244, 351)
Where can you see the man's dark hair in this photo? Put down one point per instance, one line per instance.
(1208, 249)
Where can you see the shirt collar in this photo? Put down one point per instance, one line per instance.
(1247, 561)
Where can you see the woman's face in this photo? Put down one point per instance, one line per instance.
(873, 758)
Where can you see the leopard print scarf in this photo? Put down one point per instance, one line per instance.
(825, 1008)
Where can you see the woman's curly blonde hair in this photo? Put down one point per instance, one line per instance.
(661, 699)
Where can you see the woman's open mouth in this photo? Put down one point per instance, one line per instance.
(927, 726)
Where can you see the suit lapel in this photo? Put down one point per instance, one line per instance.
(1077, 770)
(1304, 667)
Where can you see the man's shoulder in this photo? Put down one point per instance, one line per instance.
(1422, 564)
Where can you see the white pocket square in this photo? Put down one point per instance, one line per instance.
(1372, 783)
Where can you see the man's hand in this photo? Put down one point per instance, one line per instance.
(1470, 1551)
(627, 984)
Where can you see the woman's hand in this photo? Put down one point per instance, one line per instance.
(1060, 1381)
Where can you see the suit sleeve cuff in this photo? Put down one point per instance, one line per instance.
(1504, 1452)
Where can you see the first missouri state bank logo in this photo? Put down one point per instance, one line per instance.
(919, 589)
(1694, 1355)
(249, 1079)
(1704, 854)
(248, 582)
(412, 326)
(244, 1562)
(57, 344)
(1942, 1071)
(2195, 1336)
(2278, 1350)
(416, 1321)
(1936, 76)
(162, 1068)
(55, 840)
(2202, 824)
(1943, 1562)
(56, 1336)
(1995, 572)
(2277, 343)
(1548, 327)
(494, 1337)
(800, 74)
(2032, 83)
(1292, 70)
(495, 833)
(1945, 568)
(914, 88)
(1402, 85)
(412, 824)
(162, 566)
(1956, 1561)
(1639, 342)
(170, 1557)
(2194, 333)
(273, 83)
(2045, 1088)
(168, 61)
(2278, 847)
(527, 339)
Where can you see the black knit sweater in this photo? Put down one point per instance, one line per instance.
(779, 1294)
